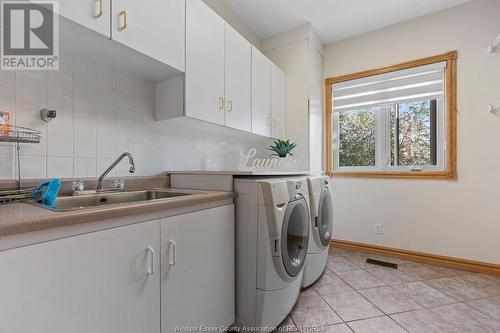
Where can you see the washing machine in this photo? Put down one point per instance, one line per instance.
(321, 228)
(272, 235)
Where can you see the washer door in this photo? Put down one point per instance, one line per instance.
(295, 236)
(324, 221)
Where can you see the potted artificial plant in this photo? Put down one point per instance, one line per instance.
(282, 148)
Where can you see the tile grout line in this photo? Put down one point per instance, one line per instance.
(422, 280)
(423, 307)
(385, 314)
(356, 290)
(326, 267)
(486, 314)
(338, 315)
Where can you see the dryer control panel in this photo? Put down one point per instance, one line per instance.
(296, 187)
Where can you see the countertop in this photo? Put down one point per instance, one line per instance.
(17, 218)
(248, 173)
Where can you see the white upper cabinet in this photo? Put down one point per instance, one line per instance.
(154, 27)
(204, 63)
(106, 281)
(237, 80)
(261, 93)
(93, 14)
(277, 102)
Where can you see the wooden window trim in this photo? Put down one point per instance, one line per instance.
(450, 171)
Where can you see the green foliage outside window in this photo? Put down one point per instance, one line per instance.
(357, 138)
(412, 133)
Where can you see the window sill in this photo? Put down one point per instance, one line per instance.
(405, 174)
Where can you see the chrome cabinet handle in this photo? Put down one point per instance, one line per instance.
(100, 9)
(268, 121)
(221, 103)
(151, 268)
(171, 253)
(229, 105)
(123, 14)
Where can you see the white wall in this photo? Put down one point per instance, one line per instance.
(454, 218)
(100, 114)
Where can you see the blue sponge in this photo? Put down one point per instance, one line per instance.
(49, 196)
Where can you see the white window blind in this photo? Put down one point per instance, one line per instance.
(413, 84)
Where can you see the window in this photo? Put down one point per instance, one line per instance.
(356, 140)
(398, 121)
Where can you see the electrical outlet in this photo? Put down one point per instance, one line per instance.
(379, 229)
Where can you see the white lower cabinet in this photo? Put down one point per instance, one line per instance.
(149, 277)
(197, 282)
(102, 282)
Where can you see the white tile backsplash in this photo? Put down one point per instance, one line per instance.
(7, 165)
(106, 128)
(106, 110)
(65, 64)
(30, 98)
(84, 69)
(85, 148)
(85, 167)
(85, 108)
(6, 93)
(34, 79)
(60, 83)
(101, 114)
(63, 126)
(84, 89)
(59, 146)
(6, 149)
(140, 135)
(57, 100)
(8, 76)
(85, 128)
(59, 167)
(106, 149)
(33, 167)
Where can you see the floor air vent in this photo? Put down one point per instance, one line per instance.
(381, 263)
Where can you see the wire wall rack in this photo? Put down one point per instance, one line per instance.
(18, 135)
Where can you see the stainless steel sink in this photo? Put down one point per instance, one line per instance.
(103, 199)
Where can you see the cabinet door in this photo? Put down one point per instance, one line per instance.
(154, 27)
(238, 80)
(277, 102)
(197, 283)
(93, 14)
(102, 282)
(204, 63)
(261, 93)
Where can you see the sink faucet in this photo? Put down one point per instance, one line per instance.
(113, 165)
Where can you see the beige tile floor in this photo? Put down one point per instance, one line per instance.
(352, 296)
